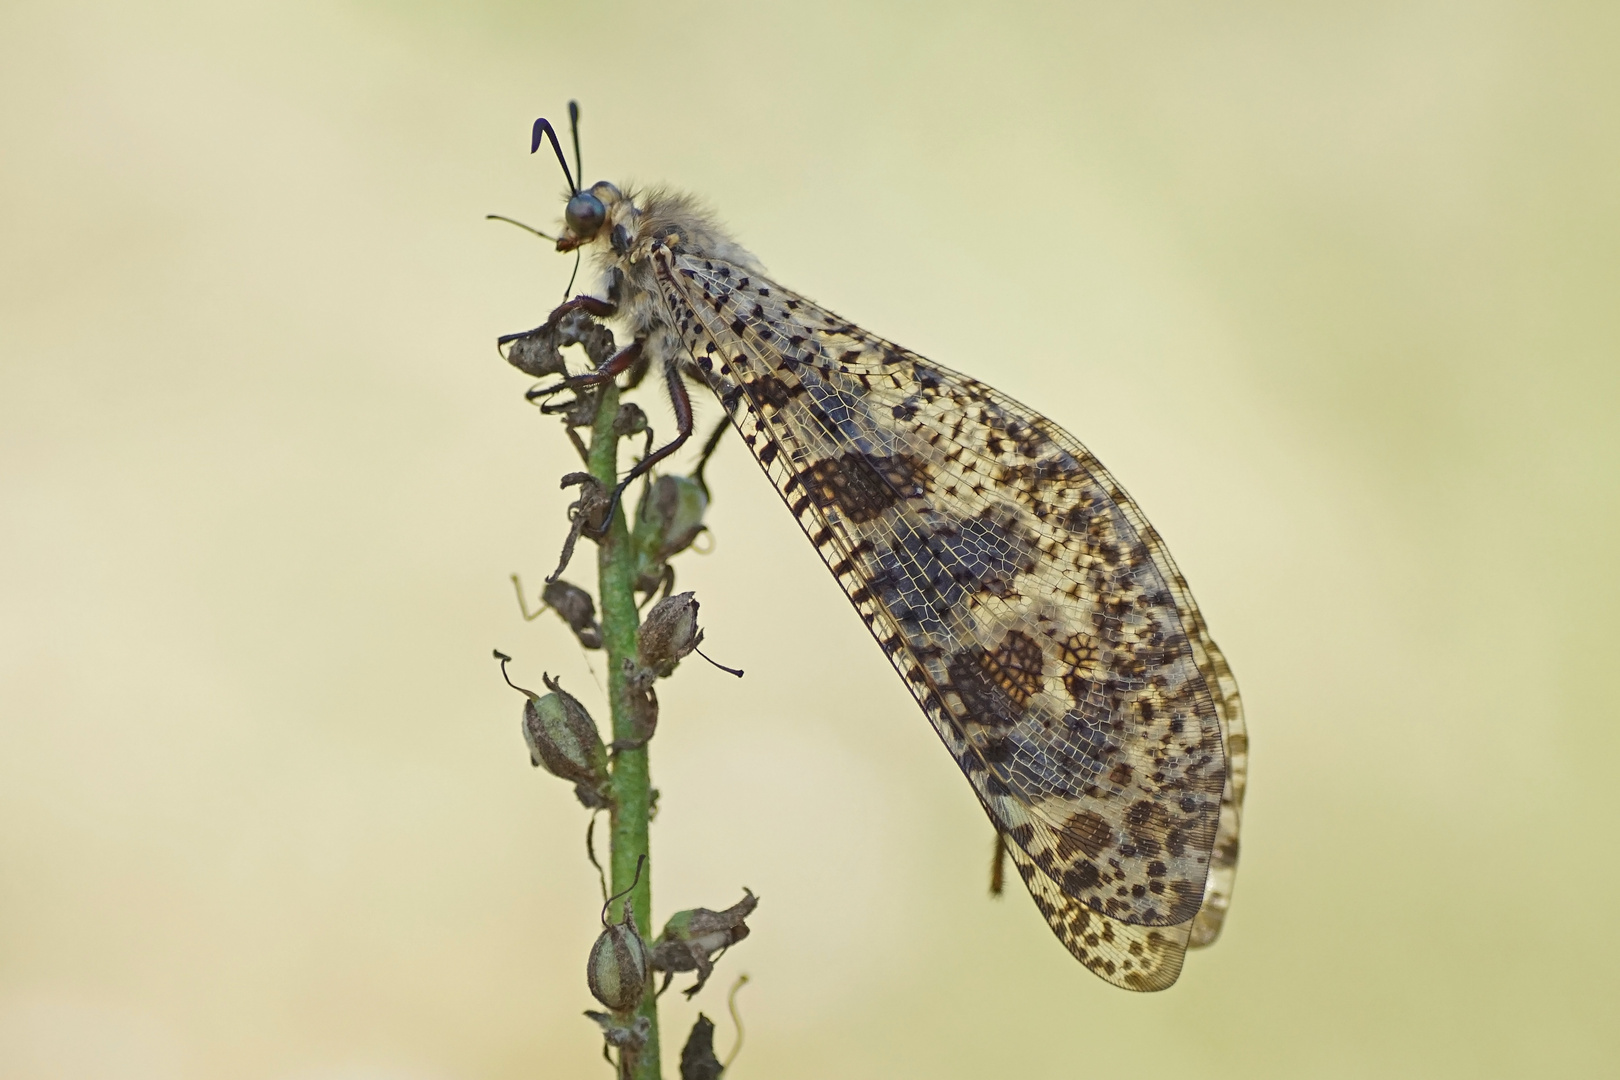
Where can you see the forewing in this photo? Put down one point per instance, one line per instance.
(1016, 588)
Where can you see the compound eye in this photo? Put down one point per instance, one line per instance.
(584, 215)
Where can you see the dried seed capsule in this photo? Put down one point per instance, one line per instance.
(562, 737)
(692, 939)
(697, 1056)
(629, 1037)
(577, 609)
(535, 353)
(669, 517)
(618, 965)
(670, 632)
(631, 420)
(638, 685)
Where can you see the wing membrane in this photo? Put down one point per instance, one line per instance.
(1021, 595)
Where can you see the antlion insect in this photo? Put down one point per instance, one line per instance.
(1018, 590)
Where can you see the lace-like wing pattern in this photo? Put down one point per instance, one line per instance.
(1019, 592)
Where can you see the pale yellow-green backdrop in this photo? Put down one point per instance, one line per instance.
(1332, 289)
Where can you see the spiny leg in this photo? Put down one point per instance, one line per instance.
(612, 368)
(593, 306)
(617, 365)
(682, 405)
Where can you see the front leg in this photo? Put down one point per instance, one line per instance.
(595, 307)
(614, 366)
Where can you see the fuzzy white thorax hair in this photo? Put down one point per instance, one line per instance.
(619, 252)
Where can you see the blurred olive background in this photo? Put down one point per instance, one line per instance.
(1332, 289)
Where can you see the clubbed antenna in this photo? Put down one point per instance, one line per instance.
(543, 129)
(573, 129)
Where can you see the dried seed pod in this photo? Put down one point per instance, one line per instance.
(619, 964)
(586, 515)
(562, 737)
(670, 633)
(692, 939)
(630, 420)
(579, 328)
(668, 519)
(578, 411)
(577, 609)
(534, 352)
(697, 1056)
(638, 686)
(628, 1038)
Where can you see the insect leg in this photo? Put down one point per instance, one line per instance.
(683, 431)
(708, 451)
(616, 365)
(998, 863)
(590, 305)
(612, 368)
(683, 427)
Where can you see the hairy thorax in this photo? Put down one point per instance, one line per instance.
(637, 221)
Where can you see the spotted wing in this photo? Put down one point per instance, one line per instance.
(1017, 589)
(1235, 738)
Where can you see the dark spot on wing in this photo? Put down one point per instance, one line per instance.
(1079, 878)
(983, 697)
(1015, 666)
(772, 391)
(850, 484)
(1084, 831)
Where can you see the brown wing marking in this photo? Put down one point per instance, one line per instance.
(856, 483)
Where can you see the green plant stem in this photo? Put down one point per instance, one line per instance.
(631, 788)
